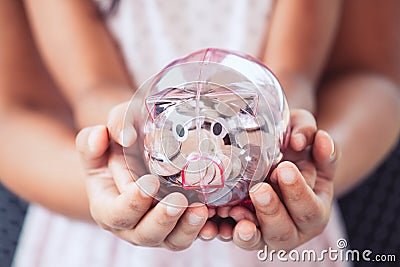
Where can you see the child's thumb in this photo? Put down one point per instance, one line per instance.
(92, 143)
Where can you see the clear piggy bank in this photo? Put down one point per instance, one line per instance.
(214, 123)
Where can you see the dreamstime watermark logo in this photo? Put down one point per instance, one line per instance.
(340, 253)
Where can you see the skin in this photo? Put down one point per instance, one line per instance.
(358, 98)
(118, 205)
(38, 123)
(80, 75)
(298, 44)
(363, 75)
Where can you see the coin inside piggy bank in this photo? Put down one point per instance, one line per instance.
(214, 123)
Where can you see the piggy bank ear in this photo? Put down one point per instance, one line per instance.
(157, 103)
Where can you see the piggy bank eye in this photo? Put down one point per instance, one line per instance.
(218, 129)
(180, 132)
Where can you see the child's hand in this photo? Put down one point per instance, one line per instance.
(118, 203)
(295, 205)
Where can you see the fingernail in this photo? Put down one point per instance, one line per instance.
(246, 237)
(332, 146)
(287, 175)
(93, 137)
(263, 198)
(194, 219)
(173, 211)
(255, 188)
(205, 237)
(147, 187)
(225, 237)
(126, 136)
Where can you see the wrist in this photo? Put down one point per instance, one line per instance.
(299, 91)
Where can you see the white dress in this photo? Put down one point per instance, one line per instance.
(150, 34)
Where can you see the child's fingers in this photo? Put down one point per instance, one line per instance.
(211, 212)
(113, 210)
(306, 209)
(277, 227)
(158, 222)
(304, 127)
(188, 227)
(92, 143)
(121, 126)
(119, 169)
(307, 169)
(247, 236)
(209, 231)
(325, 154)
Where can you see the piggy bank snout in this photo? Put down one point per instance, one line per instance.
(202, 144)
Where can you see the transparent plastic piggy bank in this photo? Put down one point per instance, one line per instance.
(214, 123)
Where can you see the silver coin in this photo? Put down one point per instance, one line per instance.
(230, 149)
(179, 161)
(194, 104)
(186, 108)
(217, 180)
(210, 113)
(257, 138)
(225, 109)
(199, 173)
(162, 168)
(191, 144)
(168, 146)
(236, 166)
(208, 147)
(226, 164)
(196, 138)
(249, 122)
(217, 198)
(254, 165)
